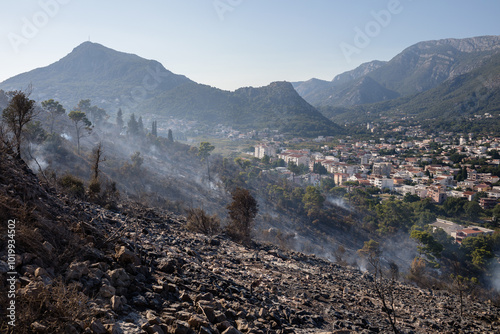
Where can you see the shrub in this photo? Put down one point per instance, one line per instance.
(111, 196)
(198, 221)
(73, 185)
(94, 189)
(417, 272)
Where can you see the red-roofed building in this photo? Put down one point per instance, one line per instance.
(469, 195)
(471, 231)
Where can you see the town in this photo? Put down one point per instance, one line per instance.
(437, 167)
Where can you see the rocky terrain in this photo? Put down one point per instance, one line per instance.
(84, 269)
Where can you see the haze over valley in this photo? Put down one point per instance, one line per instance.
(142, 193)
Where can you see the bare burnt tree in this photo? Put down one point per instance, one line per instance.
(97, 159)
(383, 285)
(95, 184)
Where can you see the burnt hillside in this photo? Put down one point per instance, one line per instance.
(84, 269)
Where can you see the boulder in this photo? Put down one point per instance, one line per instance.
(119, 277)
(196, 321)
(48, 247)
(76, 270)
(180, 327)
(97, 327)
(152, 318)
(125, 256)
(39, 272)
(167, 265)
(107, 291)
(117, 303)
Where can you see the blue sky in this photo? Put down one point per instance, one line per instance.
(235, 43)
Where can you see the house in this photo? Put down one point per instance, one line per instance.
(406, 189)
(471, 231)
(444, 180)
(448, 226)
(383, 183)
(421, 191)
(340, 178)
(437, 193)
(311, 178)
(455, 193)
(488, 203)
(492, 179)
(364, 183)
(415, 172)
(482, 187)
(471, 174)
(494, 193)
(398, 181)
(298, 157)
(357, 177)
(469, 195)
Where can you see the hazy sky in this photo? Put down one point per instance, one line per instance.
(234, 43)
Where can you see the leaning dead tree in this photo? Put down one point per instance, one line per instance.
(383, 285)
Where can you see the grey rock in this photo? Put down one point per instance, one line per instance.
(231, 330)
(76, 270)
(97, 327)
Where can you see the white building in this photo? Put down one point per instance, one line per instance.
(262, 150)
(383, 183)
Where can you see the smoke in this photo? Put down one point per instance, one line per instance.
(339, 201)
(37, 159)
(66, 136)
(400, 249)
(38, 162)
(494, 280)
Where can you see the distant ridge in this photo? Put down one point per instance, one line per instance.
(113, 80)
(449, 106)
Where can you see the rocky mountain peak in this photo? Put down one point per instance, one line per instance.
(467, 45)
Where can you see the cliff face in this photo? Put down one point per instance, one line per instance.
(468, 45)
(83, 268)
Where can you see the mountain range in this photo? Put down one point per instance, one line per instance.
(416, 69)
(449, 78)
(113, 80)
(450, 84)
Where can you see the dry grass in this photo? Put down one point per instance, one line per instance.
(56, 306)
